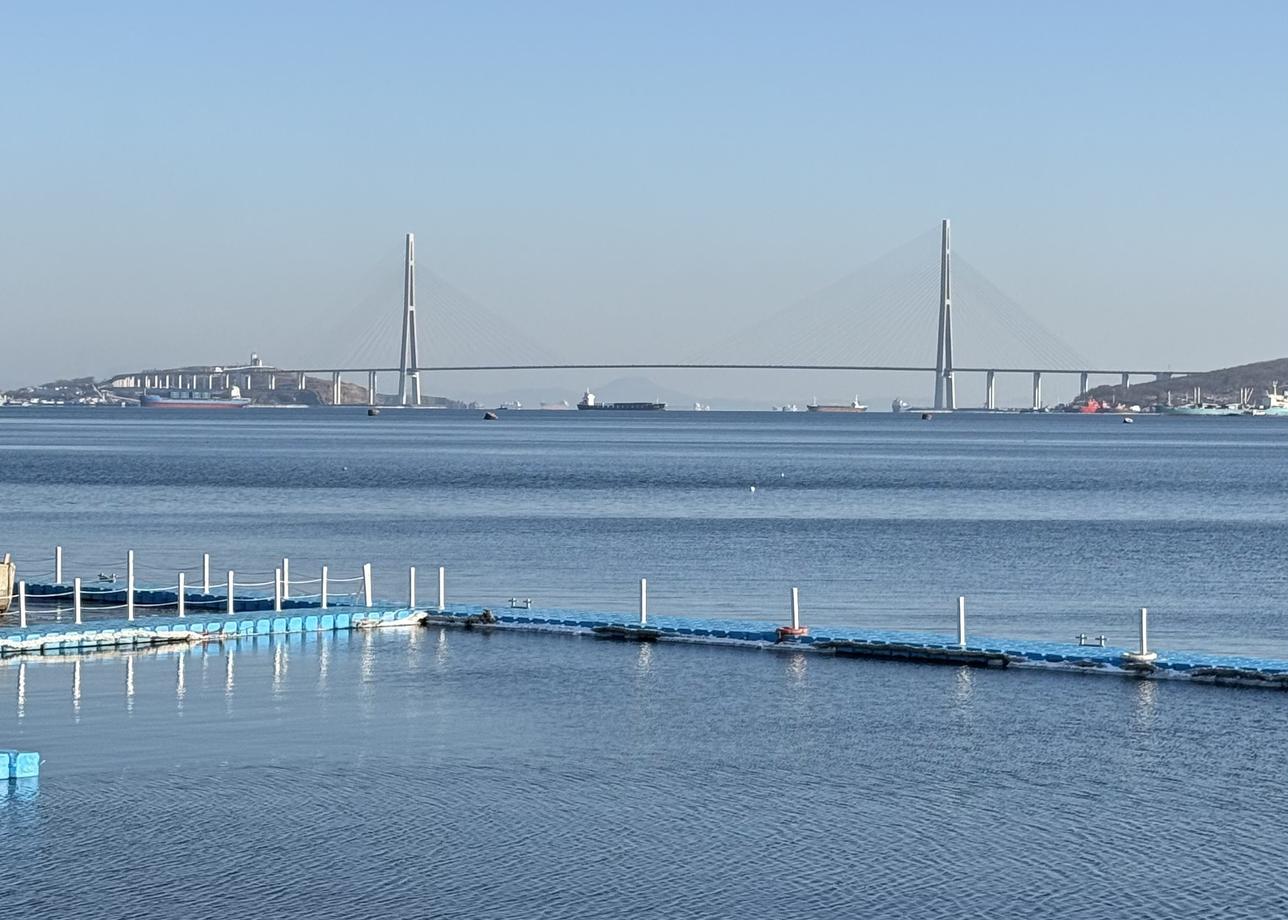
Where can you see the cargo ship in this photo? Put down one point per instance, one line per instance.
(588, 401)
(855, 406)
(193, 399)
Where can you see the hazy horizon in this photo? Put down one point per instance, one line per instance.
(191, 186)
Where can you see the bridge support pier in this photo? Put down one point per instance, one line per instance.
(300, 382)
(1037, 389)
(1083, 380)
(336, 393)
(371, 389)
(1165, 375)
(990, 390)
(1126, 379)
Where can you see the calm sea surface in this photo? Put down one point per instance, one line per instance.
(446, 774)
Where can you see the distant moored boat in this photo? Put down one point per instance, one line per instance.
(191, 399)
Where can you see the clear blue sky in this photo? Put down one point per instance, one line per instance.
(186, 184)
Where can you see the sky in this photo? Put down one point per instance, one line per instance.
(190, 183)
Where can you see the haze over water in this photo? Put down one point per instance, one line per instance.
(430, 773)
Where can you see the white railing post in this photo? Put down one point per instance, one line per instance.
(796, 608)
(286, 578)
(442, 588)
(205, 573)
(643, 601)
(232, 602)
(277, 590)
(129, 586)
(58, 565)
(324, 587)
(1144, 631)
(366, 583)
(411, 587)
(76, 599)
(22, 605)
(961, 621)
(182, 592)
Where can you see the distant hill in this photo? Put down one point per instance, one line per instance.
(1222, 384)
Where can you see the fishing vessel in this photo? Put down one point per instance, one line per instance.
(194, 399)
(854, 406)
(588, 401)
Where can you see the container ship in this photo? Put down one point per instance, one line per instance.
(588, 402)
(193, 399)
(855, 406)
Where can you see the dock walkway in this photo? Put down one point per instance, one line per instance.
(760, 634)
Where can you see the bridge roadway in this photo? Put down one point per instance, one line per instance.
(172, 378)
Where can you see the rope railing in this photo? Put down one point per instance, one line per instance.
(209, 593)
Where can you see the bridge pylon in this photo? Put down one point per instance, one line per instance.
(409, 361)
(945, 386)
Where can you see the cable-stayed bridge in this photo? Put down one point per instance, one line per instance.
(918, 310)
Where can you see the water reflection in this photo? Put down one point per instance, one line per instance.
(279, 665)
(643, 663)
(179, 688)
(228, 673)
(797, 670)
(324, 659)
(22, 689)
(963, 688)
(129, 683)
(440, 646)
(20, 790)
(76, 689)
(1145, 705)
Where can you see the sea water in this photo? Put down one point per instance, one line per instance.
(440, 773)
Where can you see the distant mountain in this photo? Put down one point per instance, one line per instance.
(1221, 384)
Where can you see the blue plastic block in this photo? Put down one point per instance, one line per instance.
(8, 762)
(311, 624)
(342, 621)
(262, 627)
(246, 628)
(327, 623)
(24, 765)
(279, 624)
(295, 624)
(230, 628)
